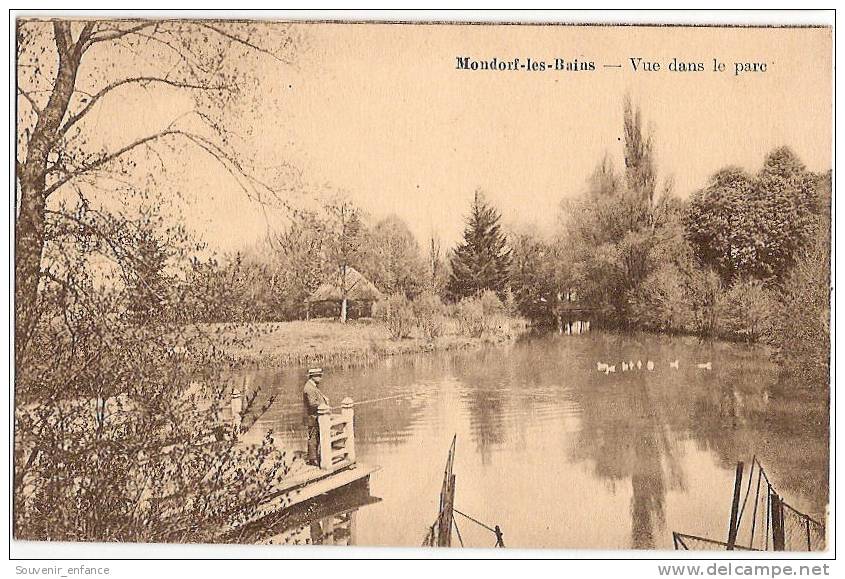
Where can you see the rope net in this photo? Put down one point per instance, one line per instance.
(801, 532)
(765, 522)
(684, 542)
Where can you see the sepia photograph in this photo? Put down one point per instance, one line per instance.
(495, 285)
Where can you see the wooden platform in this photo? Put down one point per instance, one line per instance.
(337, 468)
(305, 484)
(312, 481)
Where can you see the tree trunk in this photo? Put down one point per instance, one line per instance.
(32, 175)
(29, 245)
(343, 290)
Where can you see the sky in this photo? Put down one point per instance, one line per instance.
(381, 113)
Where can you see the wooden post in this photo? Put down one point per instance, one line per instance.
(807, 529)
(778, 535)
(328, 525)
(444, 535)
(347, 412)
(353, 527)
(324, 436)
(732, 529)
(447, 501)
(237, 407)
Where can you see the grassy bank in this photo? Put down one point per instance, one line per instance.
(330, 343)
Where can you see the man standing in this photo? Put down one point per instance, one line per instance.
(312, 398)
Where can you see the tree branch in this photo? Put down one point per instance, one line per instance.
(84, 36)
(103, 160)
(242, 41)
(117, 33)
(140, 80)
(249, 184)
(32, 103)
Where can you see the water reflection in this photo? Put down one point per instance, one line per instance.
(561, 455)
(329, 520)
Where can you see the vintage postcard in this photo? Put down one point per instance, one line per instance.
(422, 284)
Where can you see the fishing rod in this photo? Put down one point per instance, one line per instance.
(383, 398)
(358, 402)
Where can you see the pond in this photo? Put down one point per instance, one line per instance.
(559, 454)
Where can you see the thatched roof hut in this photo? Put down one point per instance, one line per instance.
(358, 288)
(360, 292)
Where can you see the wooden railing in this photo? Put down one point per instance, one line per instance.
(336, 435)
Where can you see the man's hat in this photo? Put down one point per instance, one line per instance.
(315, 372)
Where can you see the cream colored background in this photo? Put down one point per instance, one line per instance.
(380, 111)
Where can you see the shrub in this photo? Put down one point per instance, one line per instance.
(484, 314)
(746, 311)
(704, 288)
(119, 428)
(470, 315)
(660, 302)
(510, 304)
(801, 333)
(491, 305)
(396, 314)
(429, 313)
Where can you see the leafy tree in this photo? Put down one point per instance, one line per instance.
(241, 288)
(604, 181)
(640, 176)
(536, 276)
(752, 226)
(801, 332)
(482, 260)
(302, 262)
(705, 294)
(790, 208)
(610, 240)
(718, 223)
(393, 261)
(207, 292)
(619, 231)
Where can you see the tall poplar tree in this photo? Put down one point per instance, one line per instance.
(482, 261)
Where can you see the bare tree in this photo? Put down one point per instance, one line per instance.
(67, 70)
(345, 240)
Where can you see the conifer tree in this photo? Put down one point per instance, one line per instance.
(482, 261)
